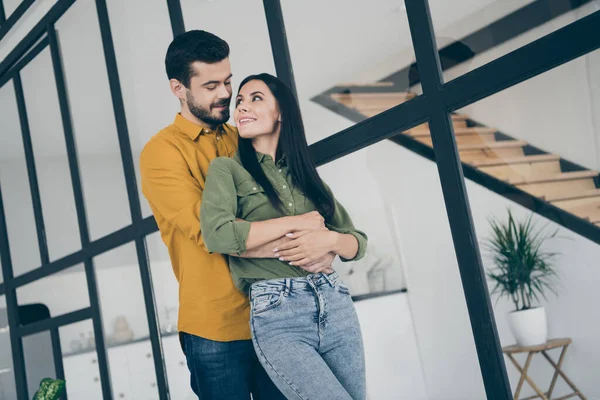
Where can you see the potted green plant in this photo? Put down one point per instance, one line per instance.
(522, 272)
(50, 389)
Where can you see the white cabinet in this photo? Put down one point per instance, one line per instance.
(82, 376)
(132, 372)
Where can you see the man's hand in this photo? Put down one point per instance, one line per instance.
(306, 247)
(321, 265)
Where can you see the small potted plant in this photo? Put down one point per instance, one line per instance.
(522, 271)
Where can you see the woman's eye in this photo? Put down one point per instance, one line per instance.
(256, 97)
(238, 102)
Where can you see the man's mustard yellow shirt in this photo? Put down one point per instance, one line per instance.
(173, 165)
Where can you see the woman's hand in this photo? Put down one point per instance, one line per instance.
(307, 246)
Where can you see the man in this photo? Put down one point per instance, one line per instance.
(213, 314)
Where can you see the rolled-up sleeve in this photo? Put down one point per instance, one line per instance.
(220, 230)
(342, 223)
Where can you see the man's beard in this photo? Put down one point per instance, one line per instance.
(204, 114)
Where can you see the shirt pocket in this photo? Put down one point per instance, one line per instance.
(248, 188)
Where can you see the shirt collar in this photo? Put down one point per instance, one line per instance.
(191, 129)
(261, 157)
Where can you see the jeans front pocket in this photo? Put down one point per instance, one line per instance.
(266, 300)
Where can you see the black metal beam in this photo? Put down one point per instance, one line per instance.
(133, 196)
(471, 268)
(2, 14)
(176, 16)
(99, 246)
(31, 171)
(94, 309)
(12, 307)
(279, 43)
(55, 322)
(557, 48)
(58, 358)
(34, 35)
(498, 32)
(370, 131)
(8, 23)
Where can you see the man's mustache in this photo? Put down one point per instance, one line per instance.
(223, 103)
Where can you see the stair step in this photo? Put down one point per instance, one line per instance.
(457, 131)
(463, 139)
(573, 196)
(365, 84)
(515, 160)
(520, 172)
(564, 176)
(375, 95)
(589, 211)
(503, 144)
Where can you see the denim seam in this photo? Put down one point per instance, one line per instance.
(262, 355)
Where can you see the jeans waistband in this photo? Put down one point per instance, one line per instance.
(288, 283)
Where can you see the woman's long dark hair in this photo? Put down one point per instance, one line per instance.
(292, 144)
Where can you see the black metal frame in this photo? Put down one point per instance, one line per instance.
(434, 106)
(7, 22)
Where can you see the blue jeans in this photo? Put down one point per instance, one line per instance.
(226, 370)
(307, 336)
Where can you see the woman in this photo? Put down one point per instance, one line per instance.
(304, 326)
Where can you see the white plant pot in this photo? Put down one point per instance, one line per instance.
(529, 326)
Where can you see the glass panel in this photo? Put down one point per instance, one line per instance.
(8, 391)
(472, 33)
(56, 191)
(80, 361)
(551, 122)
(18, 208)
(165, 284)
(94, 126)
(10, 6)
(61, 293)
(140, 50)
(349, 65)
(39, 359)
(167, 296)
(124, 319)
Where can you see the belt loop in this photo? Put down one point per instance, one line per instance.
(288, 286)
(331, 283)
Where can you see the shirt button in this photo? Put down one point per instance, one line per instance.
(290, 204)
(284, 186)
(218, 138)
(280, 170)
(254, 188)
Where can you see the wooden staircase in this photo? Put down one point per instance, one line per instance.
(543, 175)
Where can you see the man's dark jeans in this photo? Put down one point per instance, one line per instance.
(226, 370)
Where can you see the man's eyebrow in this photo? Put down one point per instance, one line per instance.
(216, 82)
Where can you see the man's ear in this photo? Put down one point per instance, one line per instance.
(178, 89)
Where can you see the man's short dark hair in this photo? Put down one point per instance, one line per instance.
(193, 46)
